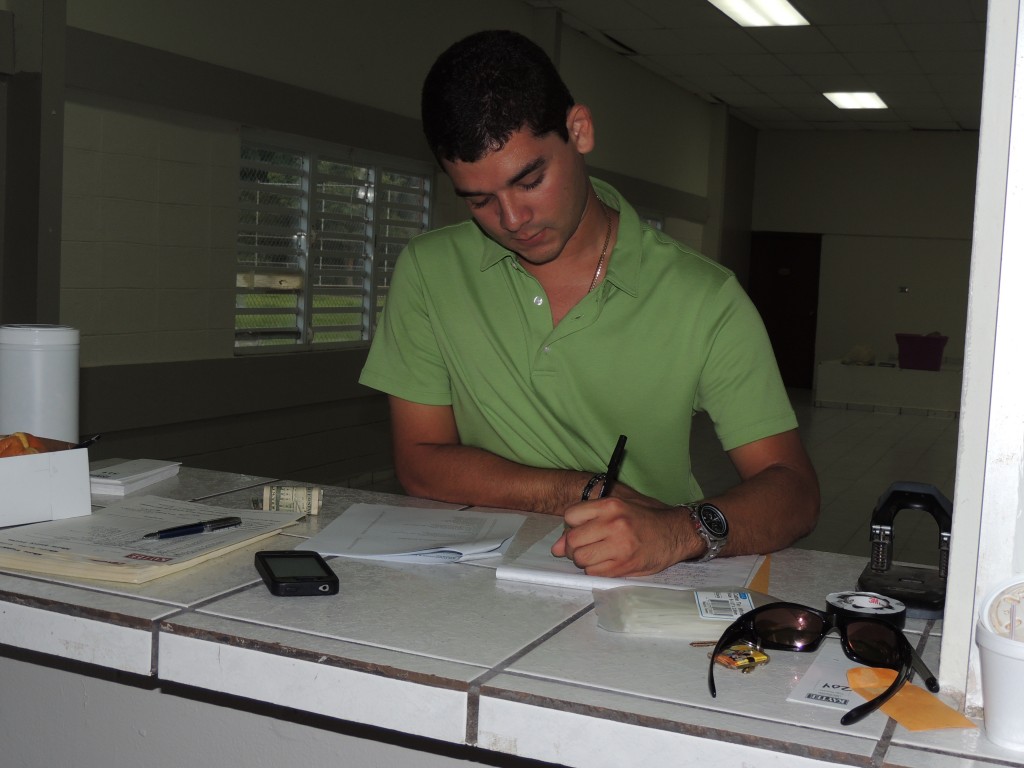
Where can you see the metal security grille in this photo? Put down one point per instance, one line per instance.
(318, 236)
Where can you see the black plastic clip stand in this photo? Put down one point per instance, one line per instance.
(922, 590)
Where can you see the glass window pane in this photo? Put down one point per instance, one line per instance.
(316, 242)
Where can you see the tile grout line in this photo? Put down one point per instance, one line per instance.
(473, 702)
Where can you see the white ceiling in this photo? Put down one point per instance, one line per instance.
(923, 57)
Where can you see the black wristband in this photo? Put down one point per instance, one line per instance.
(599, 477)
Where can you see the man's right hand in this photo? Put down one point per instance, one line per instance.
(616, 537)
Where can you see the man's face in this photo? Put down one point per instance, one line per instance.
(528, 196)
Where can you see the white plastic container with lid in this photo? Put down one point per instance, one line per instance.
(1000, 637)
(39, 380)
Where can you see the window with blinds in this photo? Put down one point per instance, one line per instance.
(319, 231)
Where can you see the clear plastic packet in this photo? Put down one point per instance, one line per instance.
(694, 615)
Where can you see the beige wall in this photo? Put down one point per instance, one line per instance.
(646, 127)
(148, 235)
(147, 258)
(373, 53)
(901, 184)
(895, 210)
(147, 273)
(863, 278)
(157, 94)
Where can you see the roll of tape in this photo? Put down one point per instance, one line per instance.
(866, 604)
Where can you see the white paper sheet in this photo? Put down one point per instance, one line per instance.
(408, 534)
(824, 684)
(538, 566)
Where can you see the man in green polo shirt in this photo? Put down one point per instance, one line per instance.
(515, 348)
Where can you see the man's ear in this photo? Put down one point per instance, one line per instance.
(580, 124)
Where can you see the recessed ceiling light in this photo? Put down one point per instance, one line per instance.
(760, 13)
(855, 100)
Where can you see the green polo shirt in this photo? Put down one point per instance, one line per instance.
(667, 333)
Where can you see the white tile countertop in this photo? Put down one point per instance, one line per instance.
(638, 682)
(429, 664)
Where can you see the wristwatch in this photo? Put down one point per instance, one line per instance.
(711, 526)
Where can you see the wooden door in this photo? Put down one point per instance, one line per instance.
(784, 269)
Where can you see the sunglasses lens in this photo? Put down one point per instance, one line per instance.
(789, 627)
(876, 643)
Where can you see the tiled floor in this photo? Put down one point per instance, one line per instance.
(858, 455)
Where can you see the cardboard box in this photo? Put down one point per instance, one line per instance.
(44, 486)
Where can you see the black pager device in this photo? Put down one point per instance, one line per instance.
(288, 573)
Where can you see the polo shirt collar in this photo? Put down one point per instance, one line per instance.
(623, 267)
(493, 253)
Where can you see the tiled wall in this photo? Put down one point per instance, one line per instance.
(149, 217)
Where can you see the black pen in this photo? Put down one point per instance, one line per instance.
(88, 441)
(203, 526)
(614, 463)
(610, 475)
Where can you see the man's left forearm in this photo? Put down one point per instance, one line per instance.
(769, 512)
(777, 501)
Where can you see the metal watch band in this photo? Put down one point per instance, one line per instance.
(715, 542)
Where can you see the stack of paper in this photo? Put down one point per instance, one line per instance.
(414, 535)
(111, 544)
(130, 476)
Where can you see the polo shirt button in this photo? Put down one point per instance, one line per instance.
(538, 300)
(546, 350)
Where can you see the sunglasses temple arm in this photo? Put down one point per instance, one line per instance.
(730, 635)
(858, 713)
(925, 673)
(711, 672)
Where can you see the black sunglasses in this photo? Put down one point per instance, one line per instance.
(791, 627)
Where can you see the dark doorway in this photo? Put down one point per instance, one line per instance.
(784, 268)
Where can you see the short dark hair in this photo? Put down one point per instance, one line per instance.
(486, 87)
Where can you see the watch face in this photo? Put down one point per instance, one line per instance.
(712, 519)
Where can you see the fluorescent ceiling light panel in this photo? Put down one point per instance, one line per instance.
(760, 13)
(862, 100)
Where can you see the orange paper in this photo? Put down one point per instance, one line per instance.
(760, 581)
(912, 707)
